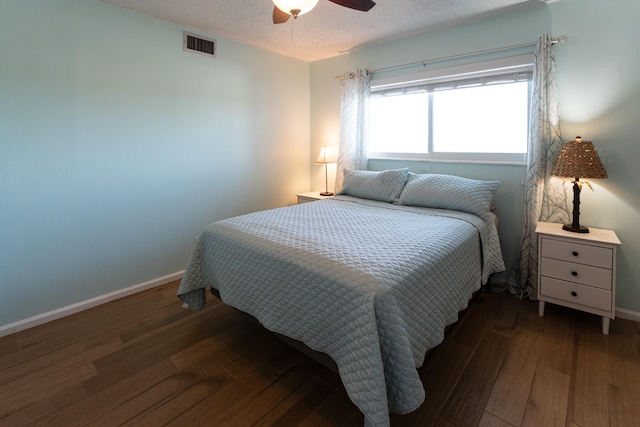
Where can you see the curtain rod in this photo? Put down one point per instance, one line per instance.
(560, 39)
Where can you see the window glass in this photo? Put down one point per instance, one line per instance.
(475, 112)
(399, 124)
(482, 119)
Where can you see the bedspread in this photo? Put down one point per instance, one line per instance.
(371, 284)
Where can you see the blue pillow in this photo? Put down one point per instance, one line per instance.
(449, 192)
(384, 186)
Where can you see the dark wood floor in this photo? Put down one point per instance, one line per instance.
(144, 360)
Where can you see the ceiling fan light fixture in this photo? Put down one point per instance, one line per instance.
(295, 7)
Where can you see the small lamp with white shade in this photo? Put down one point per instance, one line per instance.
(327, 156)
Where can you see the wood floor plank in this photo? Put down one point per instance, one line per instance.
(589, 403)
(623, 406)
(236, 333)
(547, 405)
(195, 352)
(20, 394)
(135, 323)
(289, 383)
(441, 422)
(298, 406)
(31, 352)
(528, 317)
(622, 362)
(328, 376)
(120, 364)
(490, 420)
(8, 345)
(356, 420)
(154, 396)
(172, 408)
(467, 402)
(230, 400)
(40, 409)
(242, 349)
(285, 359)
(103, 401)
(168, 292)
(46, 376)
(508, 399)
(557, 343)
(101, 323)
(263, 352)
(336, 410)
(445, 365)
(622, 373)
(17, 370)
(154, 320)
(478, 319)
(506, 318)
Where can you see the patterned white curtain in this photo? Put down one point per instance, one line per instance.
(545, 197)
(354, 123)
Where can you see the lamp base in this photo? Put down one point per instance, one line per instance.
(577, 229)
(326, 193)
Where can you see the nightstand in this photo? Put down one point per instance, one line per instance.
(577, 270)
(311, 196)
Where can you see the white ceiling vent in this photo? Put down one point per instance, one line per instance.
(198, 44)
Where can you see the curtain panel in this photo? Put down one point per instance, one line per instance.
(354, 123)
(545, 197)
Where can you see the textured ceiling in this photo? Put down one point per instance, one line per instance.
(328, 30)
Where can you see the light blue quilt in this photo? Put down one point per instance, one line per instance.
(371, 284)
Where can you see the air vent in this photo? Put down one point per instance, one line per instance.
(197, 44)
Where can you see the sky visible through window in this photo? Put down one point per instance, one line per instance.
(479, 119)
(399, 124)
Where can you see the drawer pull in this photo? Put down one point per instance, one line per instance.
(574, 253)
(574, 273)
(574, 294)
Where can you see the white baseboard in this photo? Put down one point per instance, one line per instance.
(40, 319)
(627, 314)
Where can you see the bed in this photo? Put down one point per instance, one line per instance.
(370, 277)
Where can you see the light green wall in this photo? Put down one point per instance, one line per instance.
(117, 148)
(599, 82)
(599, 72)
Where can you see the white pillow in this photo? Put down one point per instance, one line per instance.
(384, 186)
(449, 192)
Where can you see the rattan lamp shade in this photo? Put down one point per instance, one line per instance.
(579, 159)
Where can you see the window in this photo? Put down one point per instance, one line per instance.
(477, 112)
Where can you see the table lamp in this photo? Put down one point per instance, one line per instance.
(578, 159)
(327, 155)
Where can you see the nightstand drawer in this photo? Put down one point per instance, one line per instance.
(576, 294)
(302, 199)
(311, 196)
(578, 273)
(597, 256)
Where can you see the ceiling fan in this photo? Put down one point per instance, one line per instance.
(285, 8)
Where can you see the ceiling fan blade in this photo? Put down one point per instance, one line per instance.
(279, 17)
(363, 5)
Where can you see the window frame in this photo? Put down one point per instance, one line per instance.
(520, 67)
